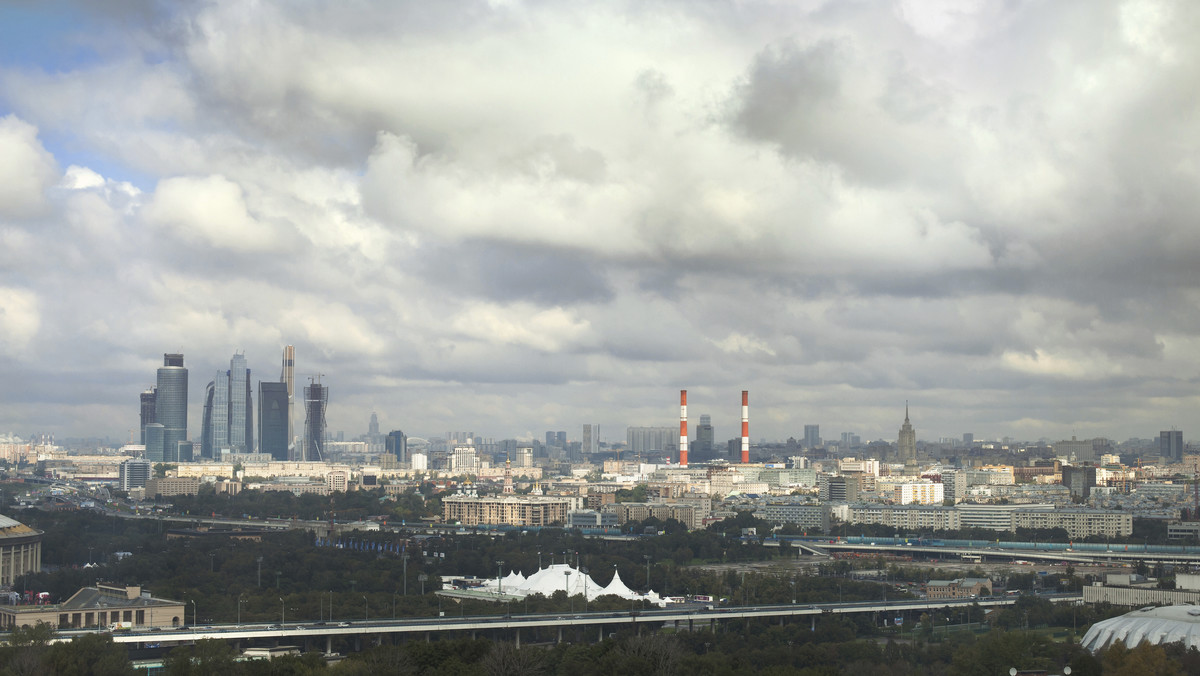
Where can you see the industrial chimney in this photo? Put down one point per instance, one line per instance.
(745, 426)
(683, 433)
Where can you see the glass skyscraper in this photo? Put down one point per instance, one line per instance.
(170, 406)
(241, 412)
(273, 419)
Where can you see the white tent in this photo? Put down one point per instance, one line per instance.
(563, 577)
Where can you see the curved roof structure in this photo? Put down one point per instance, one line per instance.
(1168, 624)
(10, 528)
(563, 577)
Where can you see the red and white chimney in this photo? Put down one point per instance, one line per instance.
(745, 426)
(683, 433)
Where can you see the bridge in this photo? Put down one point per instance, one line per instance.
(1051, 552)
(688, 618)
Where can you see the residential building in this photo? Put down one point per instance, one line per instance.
(511, 510)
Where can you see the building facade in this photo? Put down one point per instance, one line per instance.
(273, 420)
(170, 408)
(510, 510)
(20, 550)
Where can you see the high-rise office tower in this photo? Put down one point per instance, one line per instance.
(154, 443)
(397, 445)
(220, 414)
(147, 401)
(1170, 445)
(907, 443)
(550, 439)
(373, 426)
(170, 405)
(287, 377)
(812, 436)
(316, 399)
(272, 419)
(590, 442)
(206, 422)
(241, 407)
(560, 439)
(702, 449)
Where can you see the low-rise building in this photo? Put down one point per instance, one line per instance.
(100, 606)
(962, 588)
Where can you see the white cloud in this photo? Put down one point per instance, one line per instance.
(209, 210)
(26, 169)
(20, 319)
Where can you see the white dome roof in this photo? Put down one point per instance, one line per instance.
(1169, 624)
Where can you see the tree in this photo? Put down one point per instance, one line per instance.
(208, 656)
(89, 655)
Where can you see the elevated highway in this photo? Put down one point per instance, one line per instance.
(424, 628)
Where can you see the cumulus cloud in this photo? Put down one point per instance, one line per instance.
(20, 320)
(210, 210)
(26, 169)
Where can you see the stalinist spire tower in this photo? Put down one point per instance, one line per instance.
(907, 444)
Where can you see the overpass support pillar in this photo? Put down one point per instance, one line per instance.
(328, 644)
(560, 634)
(428, 636)
(600, 638)
(517, 633)
(691, 625)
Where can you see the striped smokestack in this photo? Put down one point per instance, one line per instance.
(683, 437)
(745, 426)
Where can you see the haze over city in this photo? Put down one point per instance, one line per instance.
(512, 218)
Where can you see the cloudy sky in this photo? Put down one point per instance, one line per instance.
(510, 217)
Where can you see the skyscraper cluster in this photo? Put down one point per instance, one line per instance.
(228, 416)
(228, 425)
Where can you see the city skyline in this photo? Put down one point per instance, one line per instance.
(519, 218)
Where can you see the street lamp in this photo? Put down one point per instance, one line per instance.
(239, 610)
(365, 618)
(499, 579)
(394, 594)
(282, 612)
(421, 578)
(194, 620)
(405, 557)
(567, 587)
(584, 571)
(647, 557)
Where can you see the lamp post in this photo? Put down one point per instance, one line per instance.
(499, 579)
(567, 587)
(331, 605)
(194, 620)
(584, 571)
(239, 610)
(365, 617)
(421, 578)
(394, 594)
(539, 560)
(260, 572)
(405, 557)
(647, 557)
(282, 612)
